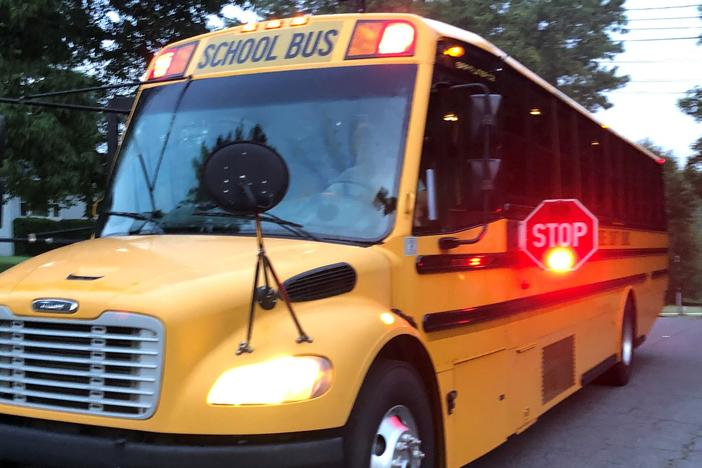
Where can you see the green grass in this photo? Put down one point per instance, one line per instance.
(8, 262)
(670, 310)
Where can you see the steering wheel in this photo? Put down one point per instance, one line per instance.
(366, 188)
(329, 207)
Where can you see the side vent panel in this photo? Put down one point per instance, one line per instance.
(558, 367)
(326, 281)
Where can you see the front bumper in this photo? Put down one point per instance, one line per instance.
(48, 444)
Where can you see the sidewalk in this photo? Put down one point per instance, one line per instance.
(673, 311)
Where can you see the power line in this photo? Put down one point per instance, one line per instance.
(652, 62)
(676, 93)
(658, 28)
(682, 80)
(664, 7)
(661, 39)
(663, 19)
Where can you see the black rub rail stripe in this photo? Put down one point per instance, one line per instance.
(445, 263)
(598, 370)
(624, 253)
(458, 262)
(437, 321)
(659, 273)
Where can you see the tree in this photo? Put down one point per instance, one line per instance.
(685, 246)
(691, 104)
(560, 40)
(50, 45)
(130, 32)
(51, 153)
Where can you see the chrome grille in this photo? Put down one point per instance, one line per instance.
(110, 366)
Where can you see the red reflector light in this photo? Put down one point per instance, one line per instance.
(171, 62)
(560, 259)
(373, 38)
(468, 262)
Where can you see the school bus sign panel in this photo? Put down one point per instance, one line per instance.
(229, 52)
(560, 235)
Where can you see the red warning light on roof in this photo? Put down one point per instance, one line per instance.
(171, 62)
(373, 38)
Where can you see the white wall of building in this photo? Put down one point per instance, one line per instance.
(12, 209)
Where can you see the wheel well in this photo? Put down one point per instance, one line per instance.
(408, 349)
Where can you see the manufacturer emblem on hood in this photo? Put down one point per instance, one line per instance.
(62, 306)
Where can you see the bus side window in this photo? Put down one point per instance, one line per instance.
(445, 152)
(423, 224)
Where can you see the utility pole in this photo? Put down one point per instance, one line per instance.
(678, 290)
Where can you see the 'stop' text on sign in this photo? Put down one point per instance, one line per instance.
(558, 224)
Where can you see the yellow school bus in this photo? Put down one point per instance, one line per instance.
(422, 333)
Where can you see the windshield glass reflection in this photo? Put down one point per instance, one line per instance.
(341, 132)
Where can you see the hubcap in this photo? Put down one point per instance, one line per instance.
(627, 342)
(397, 442)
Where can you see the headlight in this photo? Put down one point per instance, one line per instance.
(280, 380)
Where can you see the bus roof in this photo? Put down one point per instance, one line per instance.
(328, 31)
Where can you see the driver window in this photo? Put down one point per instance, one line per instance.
(445, 153)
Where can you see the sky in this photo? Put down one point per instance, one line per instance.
(660, 69)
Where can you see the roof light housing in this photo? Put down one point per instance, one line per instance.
(274, 24)
(300, 20)
(171, 62)
(382, 38)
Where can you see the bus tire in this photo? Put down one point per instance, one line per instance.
(620, 373)
(391, 418)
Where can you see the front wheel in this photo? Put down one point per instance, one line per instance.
(391, 424)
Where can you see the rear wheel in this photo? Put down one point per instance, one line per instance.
(391, 424)
(620, 373)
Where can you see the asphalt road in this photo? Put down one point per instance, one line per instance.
(655, 421)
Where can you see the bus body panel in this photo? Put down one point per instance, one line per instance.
(205, 329)
(507, 368)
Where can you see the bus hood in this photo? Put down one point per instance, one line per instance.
(171, 275)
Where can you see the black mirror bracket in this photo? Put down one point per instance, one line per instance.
(265, 296)
(250, 178)
(449, 243)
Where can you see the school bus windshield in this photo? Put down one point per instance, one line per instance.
(340, 130)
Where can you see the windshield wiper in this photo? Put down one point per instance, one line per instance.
(149, 217)
(289, 226)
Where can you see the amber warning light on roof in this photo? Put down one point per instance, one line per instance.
(560, 235)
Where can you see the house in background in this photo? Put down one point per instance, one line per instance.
(14, 208)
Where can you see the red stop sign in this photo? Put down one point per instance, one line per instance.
(559, 223)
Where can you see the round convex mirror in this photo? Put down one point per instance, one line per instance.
(246, 178)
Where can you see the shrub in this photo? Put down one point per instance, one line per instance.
(75, 229)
